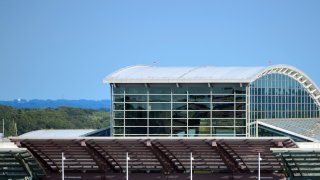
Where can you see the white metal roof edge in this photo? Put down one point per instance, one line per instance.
(287, 131)
(109, 77)
(181, 81)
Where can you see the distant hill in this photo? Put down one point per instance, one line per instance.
(36, 103)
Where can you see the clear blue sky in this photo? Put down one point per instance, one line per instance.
(63, 49)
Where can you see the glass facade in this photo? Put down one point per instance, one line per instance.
(207, 110)
(188, 110)
(279, 96)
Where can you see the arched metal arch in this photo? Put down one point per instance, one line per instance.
(297, 75)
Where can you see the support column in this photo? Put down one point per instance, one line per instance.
(45, 166)
(24, 165)
(286, 167)
(230, 162)
(168, 166)
(102, 162)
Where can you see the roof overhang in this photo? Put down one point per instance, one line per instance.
(206, 74)
(286, 131)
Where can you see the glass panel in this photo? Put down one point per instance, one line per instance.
(203, 130)
(240, 90)
(223, 90)
(179, 114)
(118, 122)
(160, 114)
(193, 131)
(179, 98)
(118, 114)
(179, 131)
(223, 131)
(199, 90)
(136, 106)
(223, 106)
(118, 130)
(199, 98)
(241, 114)
(179, 90)
(136, 98)
(160, 106)
(204, 122)
(240, 106)
(160, 98)
(118, 98)
(136, 114)
(222, 98)
(240, 98)
(159, 122)
(199, 122)
(118, 90)
(160, 90)
(179, 106)
(199, 114)
(222, 122)
(199, 106)
(240, 122)
(240, 130)
(194, 122)
(136, 130)
(222, 114)
(160, 130)
(136, 90)
(179, 122)
(136, 122)
(118, 106)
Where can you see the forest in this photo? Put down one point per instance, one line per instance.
(19, 121)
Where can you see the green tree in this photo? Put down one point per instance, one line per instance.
(52, 118)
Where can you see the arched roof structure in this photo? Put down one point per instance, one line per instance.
(298, 75)
(209, 74)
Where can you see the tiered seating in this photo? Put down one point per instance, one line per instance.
(18, 164)
(246, 154)
(156, 155)
(77, 158)
(297, 163)
(141, 158)
(205, 156)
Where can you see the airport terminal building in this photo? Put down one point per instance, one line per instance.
(187, 123)
(209, 101)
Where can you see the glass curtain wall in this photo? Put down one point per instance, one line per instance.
(280, 96)
(189, 110)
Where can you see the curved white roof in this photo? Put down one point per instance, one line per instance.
(206, 74)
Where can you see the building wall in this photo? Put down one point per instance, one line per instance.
(179, 110)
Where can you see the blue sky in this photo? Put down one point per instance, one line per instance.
(63, 49)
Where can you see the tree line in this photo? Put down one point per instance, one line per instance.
(20, 121)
